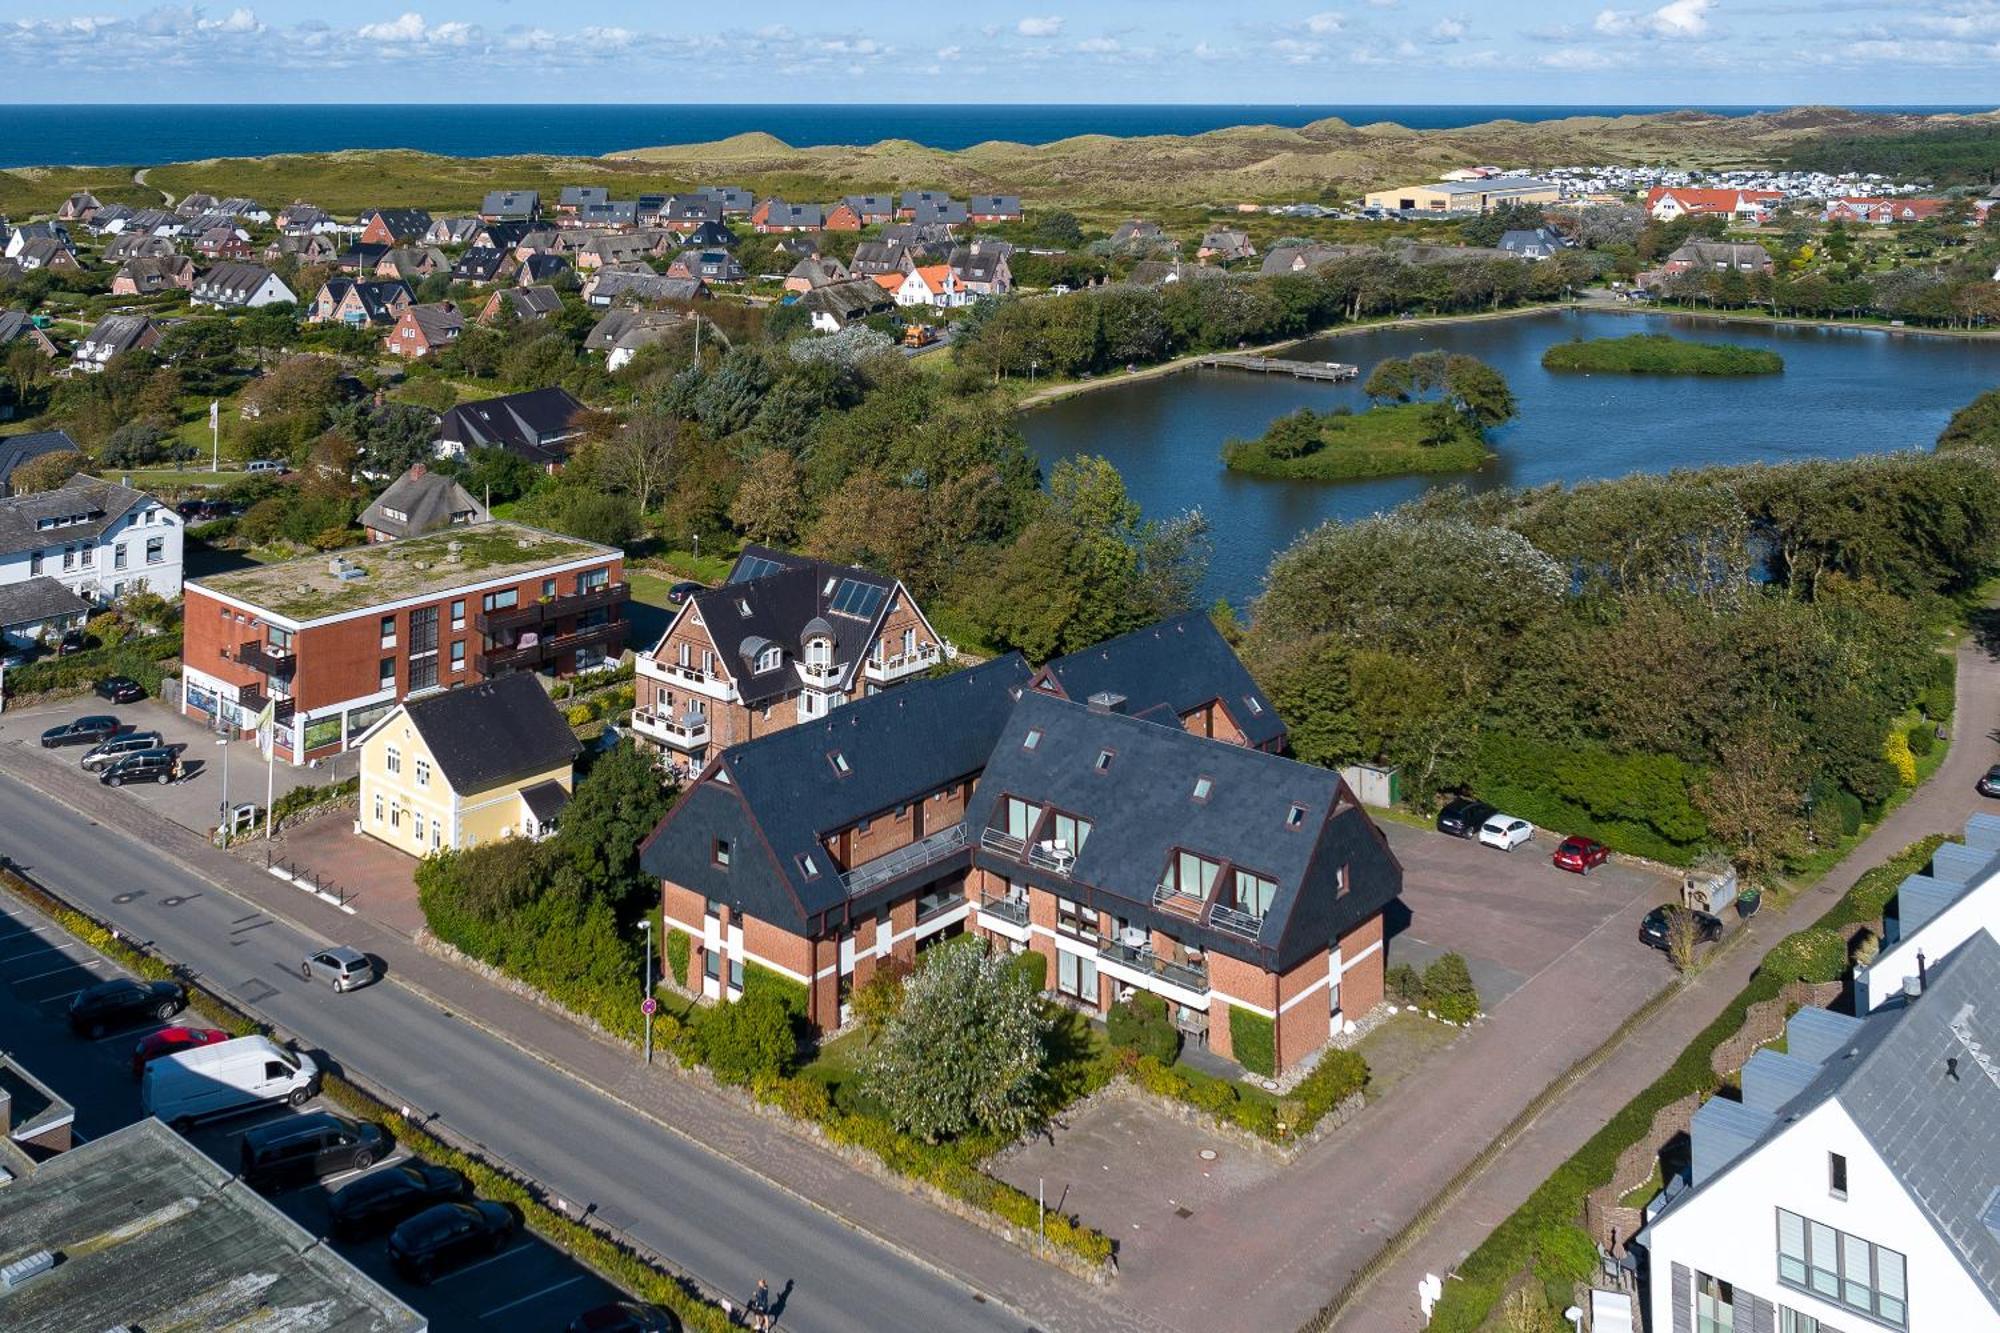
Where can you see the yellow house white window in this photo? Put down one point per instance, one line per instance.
(423, 772)
(392, 759)
(378, 807)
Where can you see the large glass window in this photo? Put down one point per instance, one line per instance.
(1071, 831)
(1194, 876)
(1076, 976)
(1791, 1321)
(1842, 1269)
(1254, 893)
(499, 601)
(1022, 818)
(1714, 1305)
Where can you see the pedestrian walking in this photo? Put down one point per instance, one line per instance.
(759, 1308)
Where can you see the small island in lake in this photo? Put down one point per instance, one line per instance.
(1405, 431)
(1660, 354)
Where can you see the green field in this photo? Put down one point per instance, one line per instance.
(1661, 354)
(1387, 441)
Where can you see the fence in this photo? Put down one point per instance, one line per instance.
(328, 891)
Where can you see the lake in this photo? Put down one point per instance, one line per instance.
(1843, 392)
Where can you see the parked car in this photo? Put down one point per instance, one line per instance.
(119, 1003)
(447, 1235)
(343, 967)
(1505, 832)
(626, 1317)
(1580, 855)
(225, 1078)
(301, 1148)
(171, 1041)
(13, 659)
(120, 690)
(680, 592)
(1462, 816)
(109, 751)
(154, 765)
(261, 465)
(76, 641)
(1653, 930)
(83, 731)
(383, 1198)
(1990, 784)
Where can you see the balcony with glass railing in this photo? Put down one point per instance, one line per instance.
(1188, 976)
(686, 732)
(1050, 856)
(925, 851)
(1006, 907)
(885, 668)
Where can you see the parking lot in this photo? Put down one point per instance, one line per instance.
(529, 1284)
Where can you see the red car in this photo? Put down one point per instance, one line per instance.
(168, 1041)
(1580, 854)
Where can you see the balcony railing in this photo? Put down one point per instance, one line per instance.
(555, 608)
(820, 673)
(1041, 855)
(271, 661)
(931, 908)
(1007, 909)
(1188, 976)
(252, 702)
(924, 851)
(531, 655)
(1249, 925)
(1168, 898)
(684, 733)
(895, 666)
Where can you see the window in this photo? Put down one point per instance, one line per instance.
(1842, 1269)
(1254, 893)
(712, 906)
(386, 673)
(686, 655)
(388, 631)
(1022, 818)
(1791, 1321)
(1076, 977)
(458, 655)
(156, 550)
(423, 772)
(1295, 817)
(807, 866)
(1032, 739)
(736, 974)
(1255, 707)
(1194, 876)
(437, 835)
(839, 762)
(1103, 761)
(591, 579)
(722, 851)
(35, 568)
(1076, 918)
(548, 588)
(458, 614)
(711, 966)
(395, 815)
(392, 759)
(1071, 832)
(1202, 787)
(378, 807)
(118, 557)
(1836, 1175)
(743, 607)
(771, 658)
(499, 601)
(1714, 1305)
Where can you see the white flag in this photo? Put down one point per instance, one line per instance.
(215, 414)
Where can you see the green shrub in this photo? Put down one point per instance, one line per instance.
(1034, 966)
(1938, 702)
(305, 798)
(1449, 991)
(1816, 954)
(1922, 738)
(1849, 807)
(138, 658)
(1338, 1075)
(1253, 1040)
(1140, 1024)
(790, 994)
(678, 944)
(1405, 984)
(750, 1038)
(1565, 1254)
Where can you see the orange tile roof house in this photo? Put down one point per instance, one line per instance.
(1667, 202)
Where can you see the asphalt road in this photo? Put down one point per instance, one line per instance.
(721, 1225)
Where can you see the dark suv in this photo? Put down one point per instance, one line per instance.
(112, 1004)
(120, 690)
(1462, 816)
(1656, 930)
(447, 1235)
(91, 730)
(154, 765)
(305, 1147)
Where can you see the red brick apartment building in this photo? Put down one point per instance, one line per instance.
(1115, 835)
(785, 639)
(335, 642)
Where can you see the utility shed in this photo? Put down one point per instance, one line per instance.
(148, 1233)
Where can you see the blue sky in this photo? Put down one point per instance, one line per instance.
(1256, 51)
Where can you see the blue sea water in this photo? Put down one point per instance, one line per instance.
(138, 135)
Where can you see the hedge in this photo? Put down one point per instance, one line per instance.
(761, 980)
(1512, 1246)
(138, 657)
(305, 798)
(1034, 966)
(590, 1247)
(1253, 1041)
(678, 944)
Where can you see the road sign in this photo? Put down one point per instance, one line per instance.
(649, 1006)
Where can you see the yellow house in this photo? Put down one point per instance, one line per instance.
(1475, 196)
(467, 766)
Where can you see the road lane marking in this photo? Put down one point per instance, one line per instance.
(491, 1259)
(31, 930)
(535, 1295)
(56, 971)
(47, 948)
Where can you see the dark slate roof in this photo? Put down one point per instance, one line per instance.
(784, 595)
(511, 203)
(994, 203)
(710, 233)
(479, 264)
(1142, 809)
(378, 299)
(482, 735)
(1183, 663)
(98, 503)
(546, 800)
(18, 449)
(524, 423)
(531, 302)
(540, 268)
(783, 794)
(38, 599)
(428, 498)
(850, 299)
(401, 222)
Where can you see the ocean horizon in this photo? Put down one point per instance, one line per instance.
(138, 135)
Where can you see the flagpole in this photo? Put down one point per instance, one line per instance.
(215, 433)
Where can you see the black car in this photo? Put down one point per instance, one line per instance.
(98, 1009)
(1990, 784)
(383, 1198)
(154, 765)
(300, 1148)
(93, 730)
(76, 641)
(626, 1317)
(1462, 816)
(120, 690)
(448, 1234)
(680, 592)
(1653, 930)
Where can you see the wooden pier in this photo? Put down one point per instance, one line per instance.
(1272, 365)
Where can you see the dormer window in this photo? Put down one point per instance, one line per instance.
(1102, 763)
(808, 866)
(839, 762)
(1202, 787)
(743, 608)
(1295, 817)
(1032, 739)
(771, 659)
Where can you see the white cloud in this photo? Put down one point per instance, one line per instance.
(1295, 52)
(1099, 45)
(239, 20)
(1676, 18)
(949, 52)
(1047, 26)
(1447, 30)
(1580, 57)
(408, 28)
(1324, 22)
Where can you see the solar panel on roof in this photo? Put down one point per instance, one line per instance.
(754, 567)
(860, 600)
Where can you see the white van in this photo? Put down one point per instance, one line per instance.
(226, 1077)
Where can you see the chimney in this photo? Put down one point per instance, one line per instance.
(1912, 988)
(1104, 701)
(1923, 972)
(417, 469)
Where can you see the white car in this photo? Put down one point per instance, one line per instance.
(1505, 832)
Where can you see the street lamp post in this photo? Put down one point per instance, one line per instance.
(647, 1003)
(223, 742)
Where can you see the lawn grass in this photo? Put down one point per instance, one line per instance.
(1660, 354)
(1385, 441)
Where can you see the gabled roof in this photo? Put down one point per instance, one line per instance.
(784, 794)
(1183, 663)
(529, 424)
(18, 449)
(427, 501)
(401, 222)
(232, 281)
(36, 600)
(84, 507)
(119, 333)
(511, 203)
(378, 299)
(854, 298)
(530, 302)
(485, 734)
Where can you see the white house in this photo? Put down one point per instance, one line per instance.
(1856, 1185)
(1935, 912)
(82, 544)
(932, 285)
(243, 286)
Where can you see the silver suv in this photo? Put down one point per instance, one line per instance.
(107, 752)
(345, 968)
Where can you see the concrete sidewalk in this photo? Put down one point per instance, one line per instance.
(1941, 806)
